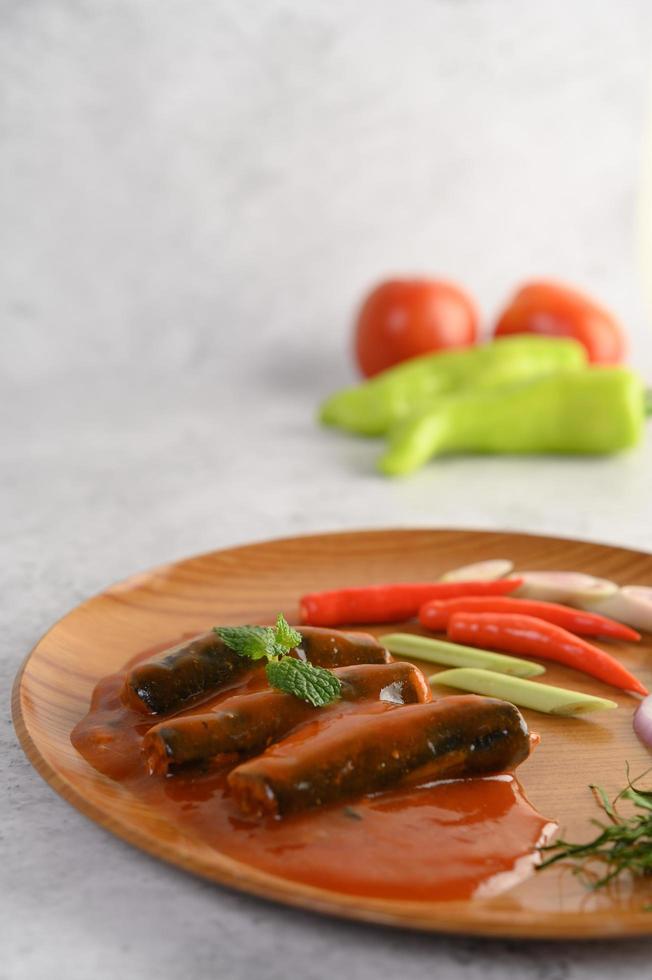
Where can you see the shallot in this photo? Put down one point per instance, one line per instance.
(480, 571)
(643, 721)
(572, 588)
(632, 605)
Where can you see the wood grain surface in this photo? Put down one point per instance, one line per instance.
(252, 584)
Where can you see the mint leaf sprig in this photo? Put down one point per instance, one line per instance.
(313, 684)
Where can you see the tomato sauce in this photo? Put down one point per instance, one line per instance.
(447, 840)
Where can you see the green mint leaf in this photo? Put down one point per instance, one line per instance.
(254, 642)
(286, 637)
(257, 642)
(312, 684)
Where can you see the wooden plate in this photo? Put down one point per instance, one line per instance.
(251, 584)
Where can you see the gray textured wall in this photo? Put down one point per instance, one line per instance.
(184, 182)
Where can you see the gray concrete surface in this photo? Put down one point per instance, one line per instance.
(192, 198)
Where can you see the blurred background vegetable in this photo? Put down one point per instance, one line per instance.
(414, 321)
(554, 310)
(403, 318)
(373, 407)
(582, 412)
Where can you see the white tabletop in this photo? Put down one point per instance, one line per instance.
(195, 196)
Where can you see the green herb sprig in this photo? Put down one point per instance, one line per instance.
(622, 845)
(298, 677)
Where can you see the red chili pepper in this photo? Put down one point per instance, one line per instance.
(389, 603)
(532, 637)
(435, 615)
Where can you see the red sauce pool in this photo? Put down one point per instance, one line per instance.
(448, 840)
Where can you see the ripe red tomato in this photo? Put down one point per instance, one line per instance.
(403, 318)
(555, 310)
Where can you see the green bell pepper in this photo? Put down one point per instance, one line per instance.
(373, 407)
(597, 410)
